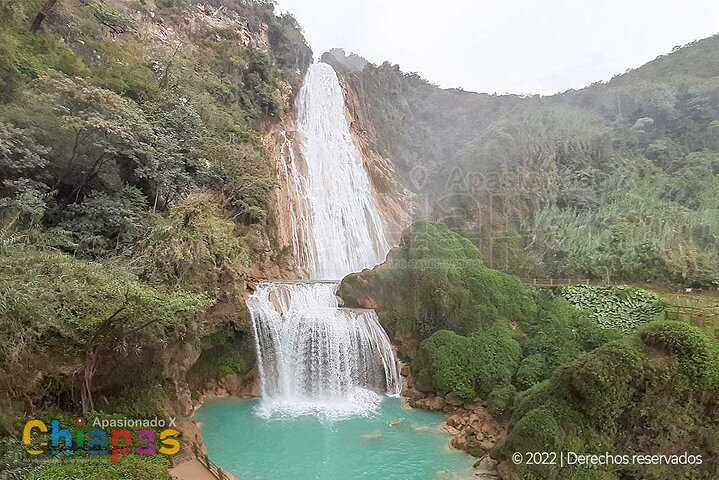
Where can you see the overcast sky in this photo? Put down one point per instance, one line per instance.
(506, 46)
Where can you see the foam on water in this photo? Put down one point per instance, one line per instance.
(316, 358)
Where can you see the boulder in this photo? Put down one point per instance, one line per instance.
(454, 421)
(436, 403)
(453, 400)
(459, 442)
(486, 464)
(413, 394)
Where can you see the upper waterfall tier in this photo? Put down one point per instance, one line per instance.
(342, 229)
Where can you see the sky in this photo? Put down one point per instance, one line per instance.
(506, 46)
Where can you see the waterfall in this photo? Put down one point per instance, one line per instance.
(345, 229)
(312, 355)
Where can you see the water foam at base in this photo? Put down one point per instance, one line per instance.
(317, 358)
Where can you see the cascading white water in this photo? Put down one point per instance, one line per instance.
(346, 233)
(312, 355)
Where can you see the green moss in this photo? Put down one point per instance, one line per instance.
(695, 350)
(501, 398)
(532, 370)
(604, 383)
(226, 353)
(647, 393)
(437, 281)
(536, 431)
(473, 365)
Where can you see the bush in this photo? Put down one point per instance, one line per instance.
(696, 351)
(501, 399)
(470, 366)
(130, 468)
(195, 246)
(604, 382)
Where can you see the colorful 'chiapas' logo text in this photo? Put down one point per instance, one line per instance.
(107, 437)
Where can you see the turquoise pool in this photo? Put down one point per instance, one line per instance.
(390, 444)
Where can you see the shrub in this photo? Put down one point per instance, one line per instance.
(130, 468)
(501, 399)
(696, 351)
(604, 382)
(473, 365)
(195, 246)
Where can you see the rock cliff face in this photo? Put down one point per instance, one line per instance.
(393, 200)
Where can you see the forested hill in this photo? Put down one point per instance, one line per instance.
(134, 195)
(617, 180)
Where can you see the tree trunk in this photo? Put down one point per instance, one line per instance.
(42, 14)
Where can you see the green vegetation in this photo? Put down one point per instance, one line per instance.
(620, 307)
(651, 392)
(132, 467)
(603, 372)
(467, 366)
(134, 190)
(470, 329)
(225, 353)
(61, 318)
(615, 181)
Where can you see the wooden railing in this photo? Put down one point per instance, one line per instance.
(557, 282)
(700, 315)
(204, 459)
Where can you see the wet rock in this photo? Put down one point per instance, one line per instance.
(486, 464)
(371, 436)
(451, 430)
(459, 442)
(421, 403)
(413, 394)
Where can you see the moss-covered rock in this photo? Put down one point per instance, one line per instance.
(651, 392)
(468, 326)
(467, 366)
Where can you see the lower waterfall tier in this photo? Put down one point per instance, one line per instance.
(315, 357)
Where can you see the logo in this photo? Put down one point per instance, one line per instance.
(127, 437)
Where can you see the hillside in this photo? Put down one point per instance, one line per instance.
(616, 181)
(134, 198)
